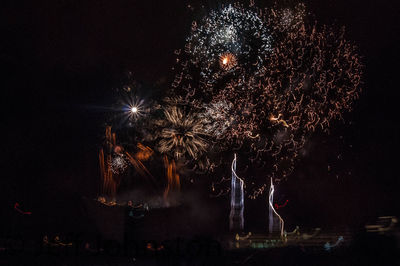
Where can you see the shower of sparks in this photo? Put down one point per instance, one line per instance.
(118, 164)
(217, 118)
(290, 78)
(232, 30)
(182, 134)
(255, 81)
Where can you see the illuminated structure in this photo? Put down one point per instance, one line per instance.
(236, 220)
(274, 217)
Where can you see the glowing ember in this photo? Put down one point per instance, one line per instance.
(227, 61)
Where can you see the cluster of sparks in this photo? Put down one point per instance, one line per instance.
(262, 80)
(118, 164)
(231, 34)
(257, 82)
(182, 134)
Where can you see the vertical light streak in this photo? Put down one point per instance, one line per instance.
(109, 186)
(272, 211)
(172, 177)
(236, 219)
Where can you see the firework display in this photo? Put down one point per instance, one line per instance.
(200, 132)
(263, 80)
(181, 134)
(254, 81)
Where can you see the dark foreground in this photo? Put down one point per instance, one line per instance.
(177, 236)
(74, 249)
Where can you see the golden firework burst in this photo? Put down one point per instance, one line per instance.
(227, 61)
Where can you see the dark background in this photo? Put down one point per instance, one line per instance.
(61, 59)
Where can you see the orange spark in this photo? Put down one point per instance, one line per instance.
(278, 120)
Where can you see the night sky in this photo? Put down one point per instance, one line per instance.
(61, 59)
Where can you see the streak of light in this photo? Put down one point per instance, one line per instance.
(271, 207)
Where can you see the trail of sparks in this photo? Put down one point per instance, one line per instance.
(237, 200)
(289, 79)
(255, 81)
(273, 211)
(182, 134)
